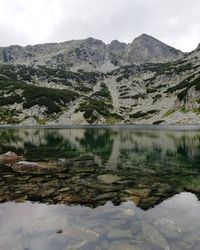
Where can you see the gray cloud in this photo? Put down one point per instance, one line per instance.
(176, 22)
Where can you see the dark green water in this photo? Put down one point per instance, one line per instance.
(121, 188)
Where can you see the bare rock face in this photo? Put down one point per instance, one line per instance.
(9, 158)
(145, 49)
(90, 53)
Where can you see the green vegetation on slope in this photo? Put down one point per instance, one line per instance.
(52, 99)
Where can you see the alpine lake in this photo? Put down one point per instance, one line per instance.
(115, 188)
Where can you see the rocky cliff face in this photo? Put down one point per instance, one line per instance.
(143, 82)
(90, 54)
(145, 49)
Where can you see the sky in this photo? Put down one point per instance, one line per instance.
(175, 22)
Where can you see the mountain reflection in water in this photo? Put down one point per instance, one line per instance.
(96, 165)
(171, 225)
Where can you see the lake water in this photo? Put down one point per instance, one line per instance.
(102, 188)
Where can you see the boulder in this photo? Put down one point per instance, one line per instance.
(9, 158)
(25, 166)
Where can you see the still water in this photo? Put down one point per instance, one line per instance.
(101, 188)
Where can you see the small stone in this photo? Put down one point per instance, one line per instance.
(168, 228)
(8, 176)
(64, 189)
(143, 193)
(108, 179)
(129, 212)
(60, 231)
(106, 196)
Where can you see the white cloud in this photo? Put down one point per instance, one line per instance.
(176, 22)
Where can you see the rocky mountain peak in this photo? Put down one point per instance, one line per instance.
(198, 47)
(146, 49)
(145, 37)
(93, 42)
(116, 45)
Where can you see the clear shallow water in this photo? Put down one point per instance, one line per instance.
(111, 189)
(36, 226)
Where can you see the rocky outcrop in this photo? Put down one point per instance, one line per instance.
(9, 158)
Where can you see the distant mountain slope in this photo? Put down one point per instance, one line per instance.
(90, 54)
(148, 93)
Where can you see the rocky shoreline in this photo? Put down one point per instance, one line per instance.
(170, 127)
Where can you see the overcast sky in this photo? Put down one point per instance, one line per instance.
(175, 22)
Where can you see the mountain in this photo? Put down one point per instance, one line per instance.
(89, 82)
(146, 49)
(90, 54)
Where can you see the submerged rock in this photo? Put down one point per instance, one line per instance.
(149, 202)
(143, 192)
(168, 228)
(129, 212)
(74, 237)
(81, 233)
(24, 166)
(106, 196)
(9, 158)
(79, 244)
(163, 188)
(152, 236)
(108, 178)
(119, 234)
(122, 245)
(132, 198)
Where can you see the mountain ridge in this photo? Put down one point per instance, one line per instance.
(90, 53)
